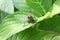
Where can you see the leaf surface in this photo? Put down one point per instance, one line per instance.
(7, 6)
(13, 24)
(39, 7)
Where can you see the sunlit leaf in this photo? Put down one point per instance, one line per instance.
(21, 5)
(13, 24)
(39, 7)
(7, 6)
(56, 7)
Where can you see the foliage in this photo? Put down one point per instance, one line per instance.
(14, 15)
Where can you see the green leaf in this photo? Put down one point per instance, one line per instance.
(52, 24)
(7, 6)
(13, 24)
(53, 1)
(21, 5)
(2, 15)
(32, 34)
(56, 38)
(39, 7)
(56, 7)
